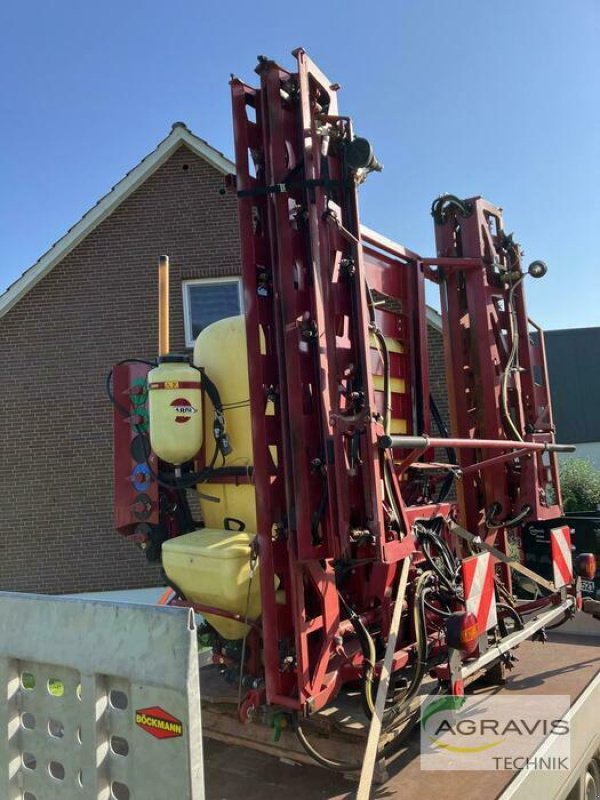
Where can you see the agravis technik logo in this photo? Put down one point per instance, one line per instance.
(463, 726)
(495, 732)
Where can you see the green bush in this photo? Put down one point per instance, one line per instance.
(580, 485)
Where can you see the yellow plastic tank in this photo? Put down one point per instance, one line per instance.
(175, 409)
(220, 349)
(212, 568)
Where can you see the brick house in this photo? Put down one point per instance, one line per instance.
(89, 302)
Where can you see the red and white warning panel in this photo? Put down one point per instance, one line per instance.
(480, 598)
(562, 559)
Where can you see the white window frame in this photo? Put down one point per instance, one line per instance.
(187, 315)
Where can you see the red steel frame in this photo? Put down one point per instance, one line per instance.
(334, 484)
(315, 411)
(312, 397)
(474, 263)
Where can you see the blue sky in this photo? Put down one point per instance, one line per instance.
(469, 97)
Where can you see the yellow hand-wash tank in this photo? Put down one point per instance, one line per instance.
(175, 409)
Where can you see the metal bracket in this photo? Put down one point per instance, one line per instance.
(518, 567)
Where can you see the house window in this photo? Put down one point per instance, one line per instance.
(208, 300)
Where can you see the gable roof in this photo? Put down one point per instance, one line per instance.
(180, 134)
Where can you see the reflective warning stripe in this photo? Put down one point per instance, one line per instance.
(480, 599)
(562, 560)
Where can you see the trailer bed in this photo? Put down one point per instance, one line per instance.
(565, 665)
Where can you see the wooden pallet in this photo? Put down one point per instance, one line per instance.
(339, 731)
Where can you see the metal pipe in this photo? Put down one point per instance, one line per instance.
(505, 645)
(492, 462)
(455, 263)
(425, 442)
(163, 305)
(200, 608)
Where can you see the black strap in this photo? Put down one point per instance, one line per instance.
(212, 391)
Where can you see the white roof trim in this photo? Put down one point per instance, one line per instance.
(179, 135)
(385, 243)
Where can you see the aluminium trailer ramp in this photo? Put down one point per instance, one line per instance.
(102, 701)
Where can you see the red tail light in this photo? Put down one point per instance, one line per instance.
(585, 566)
(462, 632)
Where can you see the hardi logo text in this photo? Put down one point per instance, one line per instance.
(184, 409)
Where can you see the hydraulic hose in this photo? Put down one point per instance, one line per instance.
(492, 524)
(511, 612)
(427, 534)
(450, 451)
(368, 648)
(325, 761)
(387, 390)
(394, 712)
(514, 335)
(442, 206)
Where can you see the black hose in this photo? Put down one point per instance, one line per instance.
(515, 521)
(385, 355)
(492, 524)
(429, 558)
(450, 451)
(108, 381)
(511, 612)
(440, 611)
(392, 713)
(325, 761)
(442, 206)
(426, 534)
(172, 584)
(189, 480)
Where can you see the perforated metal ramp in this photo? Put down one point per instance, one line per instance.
(102, 701)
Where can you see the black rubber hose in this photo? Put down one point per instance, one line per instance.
(108, 381)
(172, 584)
(425, 534)
(512, 612)
(325, 761)
(394, 712)
(441, 206)
(450, 451)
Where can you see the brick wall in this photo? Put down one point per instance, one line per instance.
(57, 344)
(437, 375)
(96, 307)
(439, 391)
